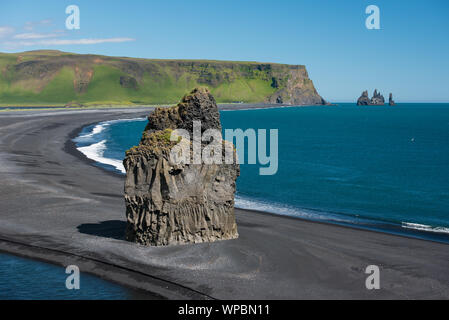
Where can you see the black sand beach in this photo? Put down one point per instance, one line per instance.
(56, 206)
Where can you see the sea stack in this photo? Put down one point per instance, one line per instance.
(170, 203)
(390, 100)
(364, 99)
(376, 100)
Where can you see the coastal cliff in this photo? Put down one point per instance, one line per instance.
(297, 90)
(176, 203)
(59, 78)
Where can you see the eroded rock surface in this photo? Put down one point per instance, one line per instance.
(169, 203)
(364, 99)
(376, 100)
(297, 90)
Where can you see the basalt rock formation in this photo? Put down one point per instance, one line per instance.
(390, 100)
(364, 99)
(376, 100)
(177, 203)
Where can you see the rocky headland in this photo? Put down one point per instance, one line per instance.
(61, 78)
(298, 89)
(176, 203)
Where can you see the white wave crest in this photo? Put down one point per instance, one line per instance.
(96, 152)
(286, 210)
(424, 227)
(96, 130)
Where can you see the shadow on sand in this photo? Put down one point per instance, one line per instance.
(114, 229)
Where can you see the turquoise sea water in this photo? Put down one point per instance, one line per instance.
(24, 279)
(383, 168)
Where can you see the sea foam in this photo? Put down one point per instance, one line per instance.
(93, 145)
(242, 202)
(424, 227)
(96, 151)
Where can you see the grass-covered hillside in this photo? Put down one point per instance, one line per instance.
(59, 78)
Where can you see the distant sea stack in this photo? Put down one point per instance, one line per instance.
(57, 77)
(390, 100)
(376, 100)
(169, 203)
(364, 100)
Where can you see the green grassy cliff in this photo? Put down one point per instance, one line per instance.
(59, 78)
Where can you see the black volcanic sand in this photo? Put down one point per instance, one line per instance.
(56, 206)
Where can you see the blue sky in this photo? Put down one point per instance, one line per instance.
(408, 56)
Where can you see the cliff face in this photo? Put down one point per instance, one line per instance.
(54, 77)
(298, 89)
(175, 203)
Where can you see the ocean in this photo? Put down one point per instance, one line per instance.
(378, 168)
(25, 279)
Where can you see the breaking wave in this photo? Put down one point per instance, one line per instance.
(424, 227)
(92, 142)
(96, 152)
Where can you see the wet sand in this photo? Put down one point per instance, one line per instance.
(55, 205)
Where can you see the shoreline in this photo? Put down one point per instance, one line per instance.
(275, 256)
(387, 227)
(144, 285)
(221, 106)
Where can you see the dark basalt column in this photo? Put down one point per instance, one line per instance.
(170, 203)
